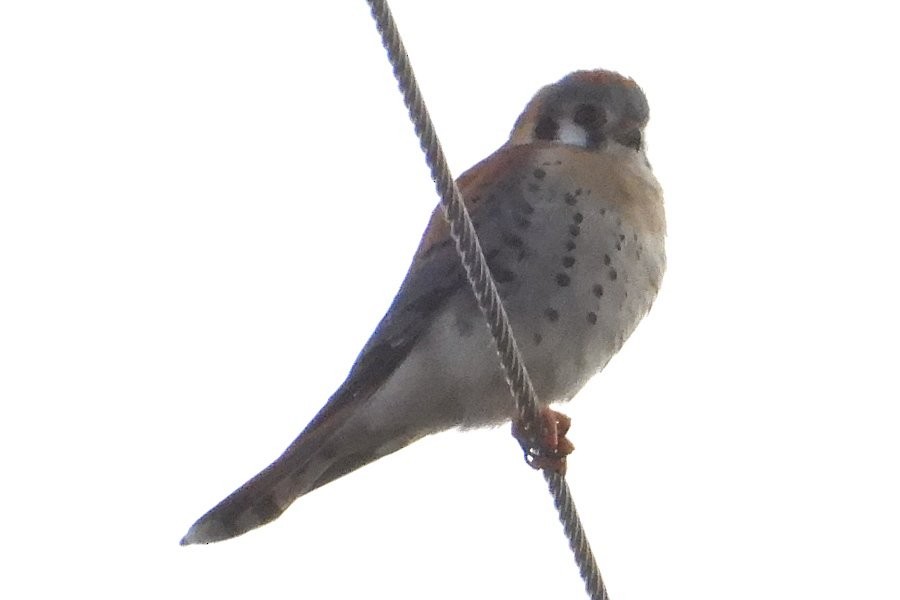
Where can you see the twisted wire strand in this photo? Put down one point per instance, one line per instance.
(578, 542)
(469, 248)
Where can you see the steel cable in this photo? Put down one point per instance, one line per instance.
(484, 288)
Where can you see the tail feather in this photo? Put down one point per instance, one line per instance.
(325, 451)
(262, 499)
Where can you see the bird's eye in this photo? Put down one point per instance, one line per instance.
(546, 129)
(631, 138)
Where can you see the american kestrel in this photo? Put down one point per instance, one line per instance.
(571, 221)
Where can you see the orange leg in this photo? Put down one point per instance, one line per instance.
(548, 448)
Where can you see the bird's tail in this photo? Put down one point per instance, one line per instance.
(331, 446)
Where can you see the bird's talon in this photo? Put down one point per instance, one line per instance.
(546, 451)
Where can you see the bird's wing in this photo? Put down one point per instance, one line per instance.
(435, 276)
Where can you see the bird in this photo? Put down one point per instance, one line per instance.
(572, 224)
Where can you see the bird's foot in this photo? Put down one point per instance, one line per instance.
(547, 448)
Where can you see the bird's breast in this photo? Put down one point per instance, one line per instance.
(575, 242)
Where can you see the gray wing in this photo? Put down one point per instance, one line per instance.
(434, 277)
(428, 286)
(432, 280)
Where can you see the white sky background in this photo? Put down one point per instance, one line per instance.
(205, 208)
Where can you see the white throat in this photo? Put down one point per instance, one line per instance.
(572, 134)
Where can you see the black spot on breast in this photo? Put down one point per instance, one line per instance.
(578, 217)
(606, 259)
(552, 315)
(571, 200)
(570, 245)
(568, 261)
(598, 290)
(533, 187)
(546, 129)
(563, 280)
(474, 199)
(574, 230)
(539, 173)
(613, 275)
(538, 338)
(592, 318)
(523, 207)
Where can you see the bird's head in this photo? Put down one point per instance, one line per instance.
(589, 109)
